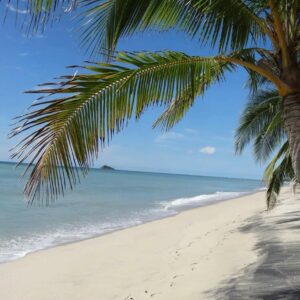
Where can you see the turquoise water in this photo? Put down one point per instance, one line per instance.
(105, 201)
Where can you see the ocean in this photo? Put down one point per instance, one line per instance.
(105, 201)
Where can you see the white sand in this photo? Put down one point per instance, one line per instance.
(181, 257)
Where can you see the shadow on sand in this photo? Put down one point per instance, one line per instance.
(276, 274)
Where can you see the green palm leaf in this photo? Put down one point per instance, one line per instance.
(68, 130)
(85, 111)
(175, 111)
(277, 172)
(262, 123)
(230, 23)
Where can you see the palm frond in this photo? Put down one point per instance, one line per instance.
(231, 23)
(270, 137)
(183, 102)
(36, 14)
(261, 122)
(277, 172)
(256, 82)
(85, 111)
(175, 111)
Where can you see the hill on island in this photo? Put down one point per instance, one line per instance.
(106, 168)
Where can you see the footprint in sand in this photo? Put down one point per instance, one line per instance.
(177, 275)
(174, 277)
(151, 295)
(194, 264)
(190, 244)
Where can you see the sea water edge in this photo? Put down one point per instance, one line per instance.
(106, 201)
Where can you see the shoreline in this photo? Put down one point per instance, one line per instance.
(164, 258)
(158, 218)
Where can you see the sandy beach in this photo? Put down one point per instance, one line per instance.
(211, 252)
(150, 150)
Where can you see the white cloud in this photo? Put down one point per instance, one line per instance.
(191, 131)
(188, 134)
(17, 10)
(34, 35)
(208, 150)
(24, 54)
(169, 136)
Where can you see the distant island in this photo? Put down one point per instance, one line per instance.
(106, 168)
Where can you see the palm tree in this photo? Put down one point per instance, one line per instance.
(84, 111)
(261, 123)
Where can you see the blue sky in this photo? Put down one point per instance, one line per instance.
(203, 143)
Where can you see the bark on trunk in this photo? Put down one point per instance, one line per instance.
(291, 107)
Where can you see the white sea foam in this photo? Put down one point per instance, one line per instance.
(105, 202)
(17, 247)
(262, 189)
(199, 200)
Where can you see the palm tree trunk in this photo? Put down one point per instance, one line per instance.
(291, 107)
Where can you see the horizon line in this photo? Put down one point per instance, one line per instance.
(153, 172)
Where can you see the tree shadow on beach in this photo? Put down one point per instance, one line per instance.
(276, 274)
